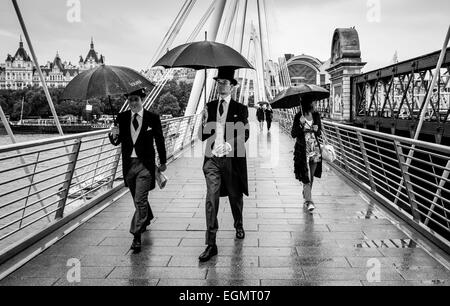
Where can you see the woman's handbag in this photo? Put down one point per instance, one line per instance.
(328, 152)
(161, 179)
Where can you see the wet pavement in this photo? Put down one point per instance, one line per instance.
(341, 243)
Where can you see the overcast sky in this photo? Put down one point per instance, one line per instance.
(128, 32)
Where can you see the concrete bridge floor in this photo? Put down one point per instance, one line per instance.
(341, 243)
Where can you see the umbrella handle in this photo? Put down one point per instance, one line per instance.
(204, 81)
(301, 108)
(204, 85)
(112, 110)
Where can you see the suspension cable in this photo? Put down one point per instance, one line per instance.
(267, 29)
(169, 38)
(170, 32)
(165, 78)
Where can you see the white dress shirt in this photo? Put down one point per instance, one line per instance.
(135, 133)
(220, 125)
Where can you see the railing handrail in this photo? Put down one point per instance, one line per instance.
(421, 143)
(52, 140)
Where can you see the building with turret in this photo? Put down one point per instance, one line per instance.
(57, 73)
(92, 59)
(19, 71)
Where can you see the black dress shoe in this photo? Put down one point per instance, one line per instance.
(210, 251)
(136, 245)
(240, 233)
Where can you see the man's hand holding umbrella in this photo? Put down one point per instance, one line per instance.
(115, 131)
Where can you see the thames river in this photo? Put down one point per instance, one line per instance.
(5, 140)
(30, 202)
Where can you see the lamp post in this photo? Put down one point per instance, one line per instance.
(88, 111)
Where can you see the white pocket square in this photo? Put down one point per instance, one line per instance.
(149, 129)
(235, 115)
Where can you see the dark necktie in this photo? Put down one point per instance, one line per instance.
(221, 107)
(135, 122)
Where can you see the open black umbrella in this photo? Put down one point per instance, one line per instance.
(203, 55)
(105, 81)
(294, 96)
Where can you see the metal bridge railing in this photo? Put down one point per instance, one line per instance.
(418, 191)
(42, 181)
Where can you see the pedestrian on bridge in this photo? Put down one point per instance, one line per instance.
(260, 117)
(306, 128)
(269, 115)
(225, 127)
(137, 129)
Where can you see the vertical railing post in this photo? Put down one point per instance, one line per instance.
(406, 180)
(68, 179)
(179, 136)
(193, 130)
(341, 148)
(442, 182)
(185, 131)
(115, 165)
(29, 189)
(366, 161)
(192, 126)
(99, 155)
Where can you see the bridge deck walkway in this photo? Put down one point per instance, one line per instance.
(284, 244)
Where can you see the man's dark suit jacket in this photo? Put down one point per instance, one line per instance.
(237, 132)
(269, 114)
(151, 130)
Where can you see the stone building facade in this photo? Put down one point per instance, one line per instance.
(19, 71)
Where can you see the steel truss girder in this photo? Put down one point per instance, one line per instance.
(385, 92)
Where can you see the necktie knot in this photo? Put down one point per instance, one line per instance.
(135, 122)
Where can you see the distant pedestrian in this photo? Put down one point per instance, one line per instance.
(306, 129)
(269, 116)
(260, 116)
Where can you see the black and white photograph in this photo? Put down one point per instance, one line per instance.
(227, 151)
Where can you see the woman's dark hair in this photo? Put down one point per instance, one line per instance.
(307, 106)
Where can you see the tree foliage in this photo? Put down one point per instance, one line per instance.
(172, 100)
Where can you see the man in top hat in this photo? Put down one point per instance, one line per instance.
(260, 116)
(137, 129)
(225, 127)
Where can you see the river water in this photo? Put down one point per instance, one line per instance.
(46, 177)
(6, 140)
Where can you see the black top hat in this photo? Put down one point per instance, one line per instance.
(141, 92)
(226, 74)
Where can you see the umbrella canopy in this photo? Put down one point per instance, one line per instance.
(203, 55)
(294, 96)
(105, 81)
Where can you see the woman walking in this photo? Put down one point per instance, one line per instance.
(307, 157)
